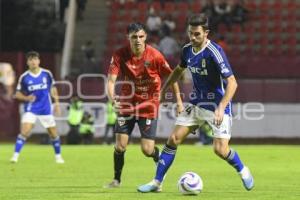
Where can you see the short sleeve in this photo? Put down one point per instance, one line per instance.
(164, 67)
(114, 66)
(20, 86)
(183, 62)
(221, 60)
(51, 78)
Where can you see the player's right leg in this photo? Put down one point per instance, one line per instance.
(21, 139)
(123, 129)
(119, 153)
(166, 158)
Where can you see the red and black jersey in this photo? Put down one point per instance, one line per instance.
(144, 76)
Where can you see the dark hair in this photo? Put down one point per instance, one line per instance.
(135, 27)
(199, 20)
(32, 54)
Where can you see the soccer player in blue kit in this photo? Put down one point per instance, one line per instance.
(35, 88)
(214, 86)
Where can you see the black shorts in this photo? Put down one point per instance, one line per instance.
(125, 125)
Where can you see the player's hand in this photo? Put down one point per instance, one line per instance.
(31, 98)
(116, 103)
(162, 97)
(179, 108)
(57, 110)
(219, 114)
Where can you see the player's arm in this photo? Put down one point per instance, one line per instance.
(176, 91)
(28, 98)
(111, 83)
(55, 96)
(229, 93)
(174, 76)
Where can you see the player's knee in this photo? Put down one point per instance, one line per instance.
(147, 151)
(221, 151)
(174, 140)
(120, 148)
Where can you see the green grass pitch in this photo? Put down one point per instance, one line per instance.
(276, 170)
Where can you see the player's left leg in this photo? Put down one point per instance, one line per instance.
(167, 157)
(222, 135)
(48, 122)
(221, 148)
(55, 140)
(148, 132)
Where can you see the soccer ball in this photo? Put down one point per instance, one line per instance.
(190, 183)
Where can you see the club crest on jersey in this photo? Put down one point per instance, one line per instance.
(148, 122)
(147, 63)
(121, 121)
(44, 80)
(203, 64)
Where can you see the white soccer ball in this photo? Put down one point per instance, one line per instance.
(190, 183)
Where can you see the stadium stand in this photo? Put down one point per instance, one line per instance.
(269, 33)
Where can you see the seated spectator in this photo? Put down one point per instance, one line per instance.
(169, 47)
(153, 22)
(80, 8)
(168, 23)
(239, 13)
(223, 9)
(209, 10)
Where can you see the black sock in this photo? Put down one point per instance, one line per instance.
(155, 154)
(118, 164)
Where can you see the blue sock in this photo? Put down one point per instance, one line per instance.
(56, 145)
(234, 160)
(19, 143)
(165, 160)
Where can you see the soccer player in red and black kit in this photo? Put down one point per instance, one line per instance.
(142, 69)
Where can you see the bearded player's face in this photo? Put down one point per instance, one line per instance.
(137, 40)
(197, 35)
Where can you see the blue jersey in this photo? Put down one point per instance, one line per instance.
(38, 85)
(208, 67)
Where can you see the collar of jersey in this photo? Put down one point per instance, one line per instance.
(207, 43)
(35, 75)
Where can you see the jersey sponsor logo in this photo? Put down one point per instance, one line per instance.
(197, 70)
(41, 86)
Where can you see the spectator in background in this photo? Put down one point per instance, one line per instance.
(168, 23)
(86, 128)
(239, 13)
(89, 64)
(153, 22)
(80, 8)
(222, 42)
(223, 10)
(169, 47)
(111, 118)
(74, 119)
(209, 10)
(89, 51)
